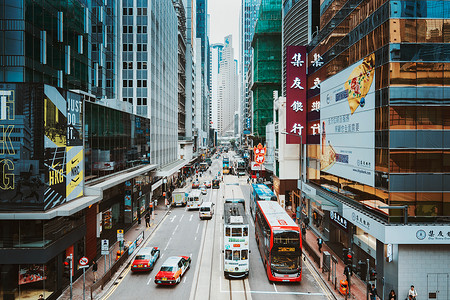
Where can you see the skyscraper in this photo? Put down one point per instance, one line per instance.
(150, 71)
(228, 90)
(216, 59)
(249, 15)
(202, 34)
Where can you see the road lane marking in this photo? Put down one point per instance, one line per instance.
(150, 279)
(181, 217)
(321, 284)
(167, 244)
(195, 238)
(175, 230)
(161, 255)
(190, 219)
(173, 218)
(275, 287)
(184, 280)
(198, 226)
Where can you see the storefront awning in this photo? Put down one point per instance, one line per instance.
(171, 168)
(93, 193)
(323, 203)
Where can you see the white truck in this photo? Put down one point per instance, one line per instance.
(179, 197)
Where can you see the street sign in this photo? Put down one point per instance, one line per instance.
(105, 247)
(120, 235)
(83, 262)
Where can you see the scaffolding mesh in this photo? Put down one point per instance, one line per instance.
(266, 63)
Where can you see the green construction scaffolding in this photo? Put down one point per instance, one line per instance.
(266, 45)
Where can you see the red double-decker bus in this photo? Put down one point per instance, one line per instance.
(279, 242)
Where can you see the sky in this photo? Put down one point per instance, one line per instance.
(224, 20)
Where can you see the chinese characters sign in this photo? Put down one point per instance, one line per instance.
(260, 153)
(296, 105)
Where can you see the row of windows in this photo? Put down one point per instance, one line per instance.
(140, 47)
(129, 11)
(419, 161)
(140, 83)
(140, 29)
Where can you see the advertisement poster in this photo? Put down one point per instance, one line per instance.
(296, 102)
(31, 273)
(347, 119)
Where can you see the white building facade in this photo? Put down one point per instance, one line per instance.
(149, 59)
(216, 58)
(228, 89)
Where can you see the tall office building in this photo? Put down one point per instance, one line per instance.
(248, 16)
(105, 46)
(228, 90)
(378, 139)
(202, 34)
(216, 59)
(191, 33)
(150, 71)
(181, 16)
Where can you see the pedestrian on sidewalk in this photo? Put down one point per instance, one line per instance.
(147, 219)
(373, 292)
(94, 270)
(392, 295)
(306, 222)
(303, 231)
(319, 244)
(41, 297)
(412, 293)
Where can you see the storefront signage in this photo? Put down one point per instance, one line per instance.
(260, 153)
(339, 220)
(307, 189)
(389, 253)
(347, 120)
(296, 104)
(256, 167)
(363, 221)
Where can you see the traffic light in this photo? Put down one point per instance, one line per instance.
(348, 256)
(362, 269)
(373, 274)
(67, 266)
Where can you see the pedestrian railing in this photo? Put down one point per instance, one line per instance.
(312, 253)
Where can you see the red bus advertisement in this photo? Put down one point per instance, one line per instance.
(279, 242)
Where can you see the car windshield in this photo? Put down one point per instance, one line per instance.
(167, 269)
(286, 251)
(141, 257)
(204, 208)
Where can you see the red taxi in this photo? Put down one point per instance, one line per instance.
(146, 259)
(172, 270)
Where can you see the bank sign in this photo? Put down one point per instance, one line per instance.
(347, 120)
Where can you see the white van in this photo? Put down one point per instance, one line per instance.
(206, 210)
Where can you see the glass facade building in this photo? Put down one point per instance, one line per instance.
(249, 15)
(45, 41)
(378, 135)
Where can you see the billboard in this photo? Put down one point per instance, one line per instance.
(296, 102)
(347, 118)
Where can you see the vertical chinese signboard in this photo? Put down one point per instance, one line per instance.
(296, 94)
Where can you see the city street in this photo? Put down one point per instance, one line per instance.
(183, 233)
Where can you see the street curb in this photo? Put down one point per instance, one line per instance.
(330, 289)
(123, 268)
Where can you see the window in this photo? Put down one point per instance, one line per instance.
(228, 254)
(125, 83)
(130, 83)
(139, 83)
(130, 29)
(144, 83)
(125, 29)
(236, 231)
(227, 231)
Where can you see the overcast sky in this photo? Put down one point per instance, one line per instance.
(224, 20)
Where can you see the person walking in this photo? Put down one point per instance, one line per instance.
(303, 231)
(41, 297)
(392, 295)
(319, 244)
(94, 270)
(373, 292)
(412, 294)
(147, 219)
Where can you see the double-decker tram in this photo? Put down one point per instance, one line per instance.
(260, 192)
(235, 241)
(226, 165)
(279, 242)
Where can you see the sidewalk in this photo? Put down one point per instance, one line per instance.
(357, 287)
(159, 214)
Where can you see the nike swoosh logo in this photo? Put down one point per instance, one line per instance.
(74, 161)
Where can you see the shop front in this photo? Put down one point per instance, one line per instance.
(339, 237)
(317, 210)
